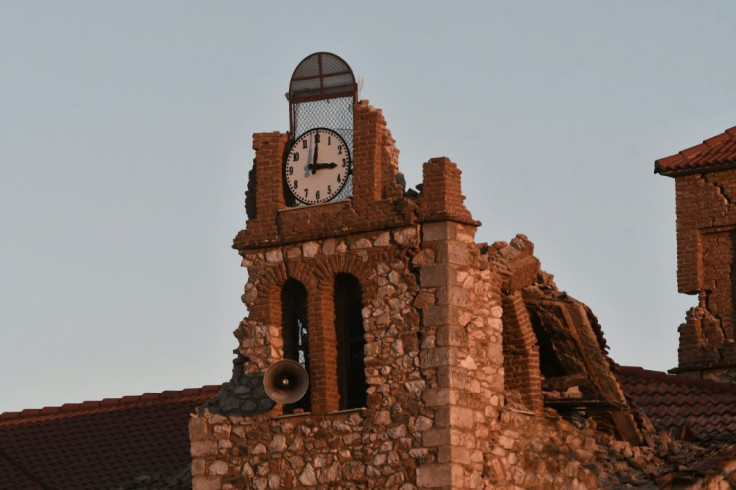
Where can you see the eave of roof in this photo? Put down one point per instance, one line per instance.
(714, 154)
(32, 415)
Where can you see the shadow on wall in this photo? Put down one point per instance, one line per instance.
(243, 395)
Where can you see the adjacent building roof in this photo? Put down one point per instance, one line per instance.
(142, 441)
(114, 443)
(692, 409)
(716, 153)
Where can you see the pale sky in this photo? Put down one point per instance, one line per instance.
(125, 144)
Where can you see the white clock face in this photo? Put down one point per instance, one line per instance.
(318, 165)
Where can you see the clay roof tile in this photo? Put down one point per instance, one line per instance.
(715, 153)
(707, 407)
(99, 444)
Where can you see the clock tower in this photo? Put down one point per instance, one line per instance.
(378, 300)
(360, 286)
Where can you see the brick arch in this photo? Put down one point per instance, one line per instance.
(354, 265)
(274, 277)
(302, 271)
(318, 277)
(268, 284)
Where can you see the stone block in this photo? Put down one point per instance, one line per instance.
(405, 236)
(455, 454)
(455, 417)
(328, 246)
(362, 243)
(275, 255)
(203, 448)
(440, 315)
(274, 481)
(397, 432)
(453, 252)
(452, 377)
(310, 249)
(462, 417)
(206, 483)
(440, 230)
(440, 397)
(452, 295)
(277, 444)
(308, 478)
(451, 336)
(216, 419)
(436, 437)
(198, 466)
(438, 356)
(382, 240)
(435, 275)
(198, 429)
(217, 468)
(440, 475)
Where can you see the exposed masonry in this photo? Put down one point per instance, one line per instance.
(719, 188)
(480, 373)
(706, 237)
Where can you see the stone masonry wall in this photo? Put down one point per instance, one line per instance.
(461, 355)
(381, 443)
(436, 414)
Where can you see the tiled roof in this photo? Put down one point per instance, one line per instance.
(693, 409)
(102, 444)
(716, 153)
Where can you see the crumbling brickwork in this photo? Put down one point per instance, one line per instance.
(705, 197)
(455, 393)
(706, 226)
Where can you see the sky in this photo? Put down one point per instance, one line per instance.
(125, 143)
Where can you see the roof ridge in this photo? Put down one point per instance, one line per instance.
(106, 404)
(675, 378)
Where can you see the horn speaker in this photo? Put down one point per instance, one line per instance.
(286, 381)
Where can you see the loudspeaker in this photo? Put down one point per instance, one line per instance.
(286, 381)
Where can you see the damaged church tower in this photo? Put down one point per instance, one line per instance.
(433, 361)
(705, 194)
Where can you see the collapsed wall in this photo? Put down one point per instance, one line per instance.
(472, 370)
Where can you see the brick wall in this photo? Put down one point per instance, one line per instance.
(706, 227)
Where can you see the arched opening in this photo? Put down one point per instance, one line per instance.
(295, 333)
(350, 342)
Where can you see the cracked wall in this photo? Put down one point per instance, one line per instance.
(438, 344)
(706, 237)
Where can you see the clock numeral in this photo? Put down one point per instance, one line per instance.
(291, 170)
(329, 140)
(339, 178)
(316, 195)
(306, 192)
(329, 189)
(339, 149)
(295, 156)
(316, 137)
(304, 144)
(344, 163)
(296, 184)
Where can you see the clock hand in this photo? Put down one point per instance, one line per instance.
(319, 166)
(316, 148)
